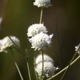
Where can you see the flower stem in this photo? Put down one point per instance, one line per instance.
(27, 62)
(64, 68)
(42, 63)
(19, 72)
(68, 66)
(34, 68)
(41, 15)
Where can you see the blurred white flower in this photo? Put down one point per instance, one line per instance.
(48, 68)
(0, 21)
(6, 43)
(46, 58)
(77, 48)
(41, 41)
(42, 3)
(35, 29)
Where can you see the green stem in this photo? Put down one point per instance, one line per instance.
(41, 15)
(19, 72)
(68, 66)
(42, 63)
(34, 69)
(27, 62)
(64, 68)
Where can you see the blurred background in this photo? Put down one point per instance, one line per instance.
(62, 19)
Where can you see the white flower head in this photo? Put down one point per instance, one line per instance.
(6, 43)
(48, 71)
(46, 58)
(35, 29)
(48, 68)
(77, 48)
(42, 3)
(41, 41)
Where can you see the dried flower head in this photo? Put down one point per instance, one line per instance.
(77, 48)
(6, 43)
(35, 29)
(41, 41)
(42, 3)
(48, 68)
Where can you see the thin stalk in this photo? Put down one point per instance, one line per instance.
(64, 68)
(19, 72)
(34, 69)
(42, 63)
(68, 66)
(27, 62)
(41, 15)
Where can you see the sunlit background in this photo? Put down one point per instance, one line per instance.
(62, 19)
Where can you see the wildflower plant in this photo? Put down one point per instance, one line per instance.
(37, 34)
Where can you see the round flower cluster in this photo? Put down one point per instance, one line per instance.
(7, 43)
(39, 37)
(48, 68)
(42, 3)
(35, 29)
(41, 41)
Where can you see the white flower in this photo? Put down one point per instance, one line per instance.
(48, 71)
(6, 43)
(42, 3)
(41, 41)
(77, 48)
(46, 58)
(48, 68)
(35, 29)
